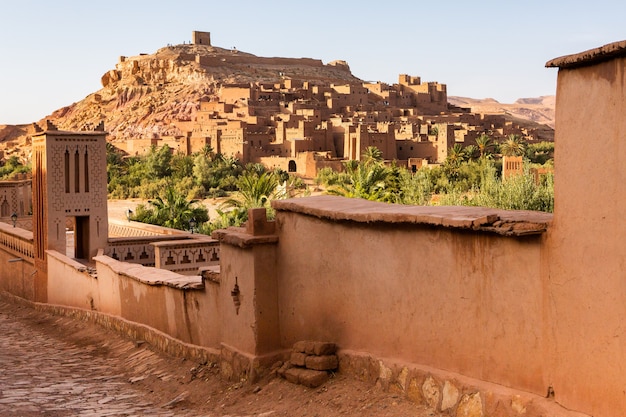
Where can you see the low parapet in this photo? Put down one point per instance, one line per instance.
(502, 222)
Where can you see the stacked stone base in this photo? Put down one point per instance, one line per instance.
(311, 363)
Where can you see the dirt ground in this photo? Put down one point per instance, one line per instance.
(193, 389)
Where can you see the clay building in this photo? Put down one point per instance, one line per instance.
(201, 38)
(69, 183)
(284, 121)
(16, 196)
(323, 110)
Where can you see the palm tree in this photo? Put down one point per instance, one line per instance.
(207, 151)
(350, 166)
(171, 210)
(470, 152)
(175, 211)
(371, 182)
(254, 190)
(255, 168)
(484, 144)
(514, 145)
(228, 161)
(456, 155)
(372, 155)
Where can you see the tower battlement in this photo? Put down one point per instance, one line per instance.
(201, 38)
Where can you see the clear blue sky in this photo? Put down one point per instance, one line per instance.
(53, 53)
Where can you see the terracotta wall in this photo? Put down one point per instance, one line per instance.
(465, 302)
(17, 269)
(586, 265)
(251, 324)
(17, 276)
(138, 294)
(70, 284)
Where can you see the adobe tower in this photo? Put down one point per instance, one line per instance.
(69, 187)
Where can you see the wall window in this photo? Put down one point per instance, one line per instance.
(76, 172)
(67, 171)
(5, 209)
(86, 167)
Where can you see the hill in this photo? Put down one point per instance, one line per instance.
(144, 95)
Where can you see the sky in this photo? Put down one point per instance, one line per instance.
(53, 53)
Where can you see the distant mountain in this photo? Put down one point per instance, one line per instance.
(539, 110)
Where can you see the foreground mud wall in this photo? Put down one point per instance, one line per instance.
(587, 249)
(18, 275)
(464, 301)
(181, 307)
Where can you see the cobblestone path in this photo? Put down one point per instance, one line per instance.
(57, 366)
(42, 375)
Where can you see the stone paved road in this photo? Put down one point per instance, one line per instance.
(57, 366)
(42, 375)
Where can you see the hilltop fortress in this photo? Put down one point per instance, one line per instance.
(296, 114)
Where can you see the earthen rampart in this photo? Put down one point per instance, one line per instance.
(217, 61)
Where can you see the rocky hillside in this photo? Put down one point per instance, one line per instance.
(145, 93)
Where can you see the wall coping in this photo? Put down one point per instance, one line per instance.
(16, 231)
(120, 240)
(148, 228)
(71, 262)
(589, 57)
(501, 222)
(152, 276)
(238, 236)
(185, 242)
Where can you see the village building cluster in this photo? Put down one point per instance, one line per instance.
(302, 126)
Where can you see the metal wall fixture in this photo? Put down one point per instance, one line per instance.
(235, 293)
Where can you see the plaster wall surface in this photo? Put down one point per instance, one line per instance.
(267, 318)
(239, 333)
(18, 277)
(185, 314)
(70, 284)
(138, 294)
(461, 301)
(585, 269)
(18, 274)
